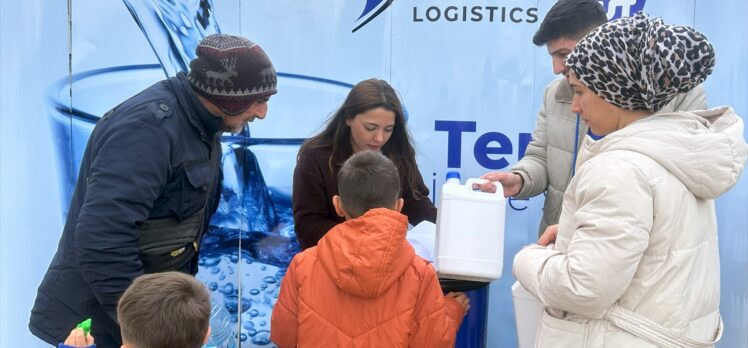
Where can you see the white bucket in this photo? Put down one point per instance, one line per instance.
(528, 312)
(470, 232)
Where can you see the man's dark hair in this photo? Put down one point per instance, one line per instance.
(164, 310)
(571, 19)
(366, 181)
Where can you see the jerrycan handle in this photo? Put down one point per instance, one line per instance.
(469, 186)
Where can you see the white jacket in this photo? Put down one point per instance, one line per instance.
(638, 231)
(546, 166)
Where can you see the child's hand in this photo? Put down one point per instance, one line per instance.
(79, 339)
(460, 297)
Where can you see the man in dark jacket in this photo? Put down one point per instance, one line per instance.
(148, 183)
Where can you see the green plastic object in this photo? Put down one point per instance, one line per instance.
(85, 325)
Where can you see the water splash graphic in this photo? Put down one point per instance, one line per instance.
(173, 28)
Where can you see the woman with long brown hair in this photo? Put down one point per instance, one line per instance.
(371, 118)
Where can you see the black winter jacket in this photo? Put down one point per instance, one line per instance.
(146, 158)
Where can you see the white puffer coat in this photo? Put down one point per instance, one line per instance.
(638, 232)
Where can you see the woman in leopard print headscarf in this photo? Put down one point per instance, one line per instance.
(636, 261)
(638, 63)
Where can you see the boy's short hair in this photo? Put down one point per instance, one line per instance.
(366, 181)
(164, 310)
(571, 19)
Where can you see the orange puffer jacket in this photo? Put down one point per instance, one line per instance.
(363, 286)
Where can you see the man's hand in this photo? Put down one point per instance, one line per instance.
(511, 183)
(549, 236)
(78, 338)
(460, 297)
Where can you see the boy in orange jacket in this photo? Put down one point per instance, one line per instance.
(363, 285)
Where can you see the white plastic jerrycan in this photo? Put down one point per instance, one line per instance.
(528, 312)
(469, 231)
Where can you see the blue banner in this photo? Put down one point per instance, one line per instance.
(467, 71)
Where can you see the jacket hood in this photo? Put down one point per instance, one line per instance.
(564, 92)
(705, 149)
(366, 255)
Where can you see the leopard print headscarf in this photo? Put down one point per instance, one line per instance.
(640, 63)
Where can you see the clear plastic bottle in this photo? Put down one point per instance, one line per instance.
(222, 333)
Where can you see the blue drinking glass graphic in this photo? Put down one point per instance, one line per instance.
(251, 239)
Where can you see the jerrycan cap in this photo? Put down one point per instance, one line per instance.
(453, 176)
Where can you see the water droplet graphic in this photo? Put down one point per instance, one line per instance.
(262, 337)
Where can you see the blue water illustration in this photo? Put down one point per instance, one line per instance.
(245, 253)
(174, 28)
